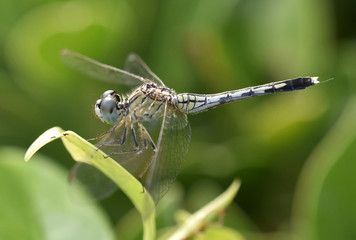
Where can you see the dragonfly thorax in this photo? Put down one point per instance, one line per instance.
(158, 93)
(147, 102)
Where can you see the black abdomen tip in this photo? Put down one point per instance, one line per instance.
(303, 82)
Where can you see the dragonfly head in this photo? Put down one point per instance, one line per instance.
(108, 107)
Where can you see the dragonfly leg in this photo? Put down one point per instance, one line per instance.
(115, 142)
(146, 138)
(109, 131)
(136, 150)
(146, 113)
(136, 146)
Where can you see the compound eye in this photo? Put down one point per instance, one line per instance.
(98, 103)
(108, 93)
(107, 105)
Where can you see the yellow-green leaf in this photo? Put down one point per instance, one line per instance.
(83, 151)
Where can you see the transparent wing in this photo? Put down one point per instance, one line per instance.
(172, 148)
(136, 65)
(120, 144)
(127, 144)
(100, 71)
(92, 180)
(169, 131)
(124, 152)
(133, 160)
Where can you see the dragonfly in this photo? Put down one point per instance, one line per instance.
(150, 133)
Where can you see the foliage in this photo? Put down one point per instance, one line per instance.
(293, 152)
(83, 151)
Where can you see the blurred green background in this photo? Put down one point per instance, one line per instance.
(294, 152)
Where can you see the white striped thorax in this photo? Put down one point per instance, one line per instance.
(158, 93)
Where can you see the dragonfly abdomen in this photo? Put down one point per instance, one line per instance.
(194, 103)
(190, 102)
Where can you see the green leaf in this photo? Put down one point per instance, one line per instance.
(194, 222)
(83, 151)
(35, 203)
(325, 206)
